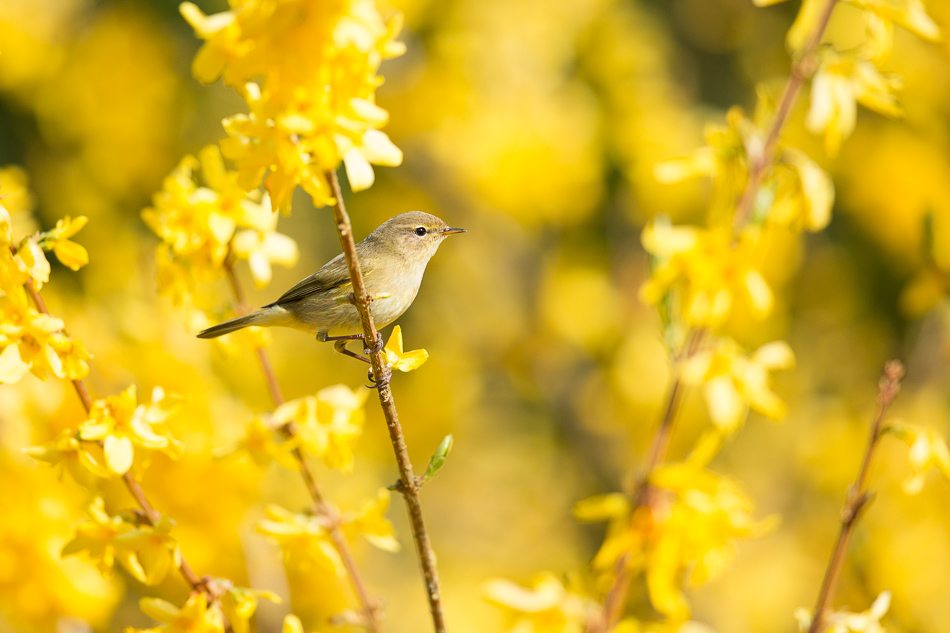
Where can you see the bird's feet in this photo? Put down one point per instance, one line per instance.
(383, 381)
(375, 348)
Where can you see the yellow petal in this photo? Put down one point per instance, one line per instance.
(726, 407)
(118, 451)
(358, 170)
(159, 609)
(292, 624)
(71, 254)
(775, 355)
(12, 367)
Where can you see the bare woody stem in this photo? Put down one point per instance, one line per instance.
(802, 68)
(409, 484)
(151, 514)
(369, 605)
(858, 497)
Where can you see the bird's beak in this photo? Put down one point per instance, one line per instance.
(451, 231)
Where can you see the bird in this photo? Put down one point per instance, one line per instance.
(392, 258)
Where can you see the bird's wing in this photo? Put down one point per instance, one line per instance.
(334, 274)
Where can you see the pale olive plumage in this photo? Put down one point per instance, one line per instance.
(392, 258)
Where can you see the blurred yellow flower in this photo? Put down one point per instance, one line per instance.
(927, 448)
(399, 360)
(841, 82)
(315, 104)
(733, 381)
(72, 455)
(548, 606)
(196, 616)
(327, 424)
(69, 253)
(97, 538)
(707, 272)
(846, 622)
(156, 552)
(688, 528)
(371, 522)
(264, 443)
(303, 538)
(239, 604)
(119, 423)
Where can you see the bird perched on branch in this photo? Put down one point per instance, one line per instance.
(392, 258)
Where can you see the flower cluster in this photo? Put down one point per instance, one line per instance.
(326, 425)
(202, 225)
(31, 341)
(115, 427)
(305, 537)
(308, 72)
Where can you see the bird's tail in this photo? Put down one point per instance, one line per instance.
(260, 317)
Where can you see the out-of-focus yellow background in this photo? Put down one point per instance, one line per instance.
(535, 125)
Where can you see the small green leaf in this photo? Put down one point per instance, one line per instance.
(438, 458)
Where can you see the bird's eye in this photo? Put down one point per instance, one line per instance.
(421, 231)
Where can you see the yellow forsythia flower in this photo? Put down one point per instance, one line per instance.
(709, 274)
(119, 423)
(371, 522)
(399, 360)
(733, 382)
(196, 616)
(846, 622)
(315, 104)
(240, 603)
(198, 224)
(327, 424)
(927, 448)
(548, 606)
(303, 538)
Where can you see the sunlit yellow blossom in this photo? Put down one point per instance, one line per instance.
(196, 616)
(327, 423)
(803, 192)
(263, 248)
(548, 606)
(315, 104)
(156, 552)
(96, 537)
(31, 341)
(708, 274)
(303, 538)
(910, 14)
(843, 81)
(240, 603)
(73, 455)
(846, 622)
(198, 222)
(399, 360)
(927, 448)
(119, 423)
(69, 253)
(371, 522)
(733, 382)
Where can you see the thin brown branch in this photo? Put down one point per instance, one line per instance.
(369, 606)
(858, 496)
(150, 513)
(409, 487)
(802, 68)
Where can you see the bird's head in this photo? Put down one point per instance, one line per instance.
(414, 235)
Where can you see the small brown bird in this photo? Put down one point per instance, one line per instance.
(392, 258)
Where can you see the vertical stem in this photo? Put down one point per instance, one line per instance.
(801, 69)
(369, 605)
(857, 498)
(409, 485)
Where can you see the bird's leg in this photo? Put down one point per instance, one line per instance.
(340, 346)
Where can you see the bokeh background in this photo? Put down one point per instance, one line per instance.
(535, 124)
